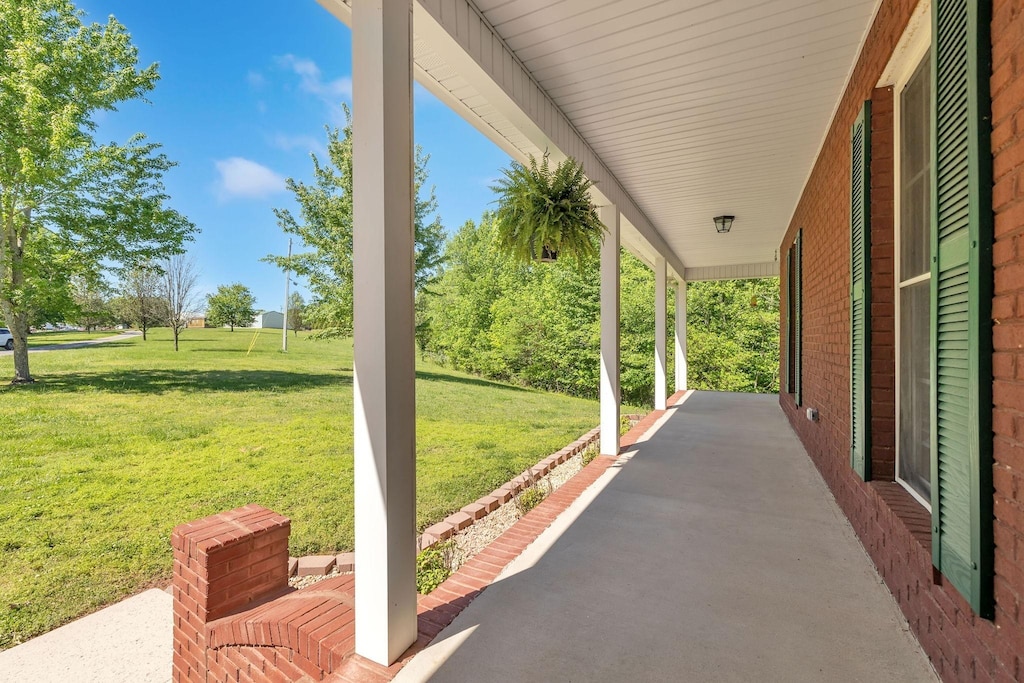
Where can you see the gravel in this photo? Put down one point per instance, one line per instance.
(481, 533)
(475, 538)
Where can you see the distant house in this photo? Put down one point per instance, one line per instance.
(268, 319)
(199, 321)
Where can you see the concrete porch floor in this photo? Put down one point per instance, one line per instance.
(714, 553)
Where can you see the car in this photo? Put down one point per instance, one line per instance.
(6, 338)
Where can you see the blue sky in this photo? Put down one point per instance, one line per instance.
(245, 91)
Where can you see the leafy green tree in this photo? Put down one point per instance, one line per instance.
(540, 324)
(296, 307)
(65, 199)
(140, 303)
(324, 225)
(733, 335)
(231, 305)
(92, 303)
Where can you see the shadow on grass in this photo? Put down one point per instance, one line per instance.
(160, 381)
(473, 381)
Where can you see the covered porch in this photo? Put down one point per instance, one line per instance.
(711, 551)
(681, 113)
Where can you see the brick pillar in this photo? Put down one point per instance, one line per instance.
(222, 564)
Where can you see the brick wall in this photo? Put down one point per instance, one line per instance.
(222, 564)
(895, 530)
(883, 335)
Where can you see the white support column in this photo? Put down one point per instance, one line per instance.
(681, 335)
(385, 402)
(610, 332)
(660, 334)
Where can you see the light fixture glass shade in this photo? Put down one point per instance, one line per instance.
(723, 223)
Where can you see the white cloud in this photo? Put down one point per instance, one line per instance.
(305, 143)
(244, 178)
(311, 79)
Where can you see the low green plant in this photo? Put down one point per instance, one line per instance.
(589, 453)
(625, 424)
(433, 566)
(530, 498)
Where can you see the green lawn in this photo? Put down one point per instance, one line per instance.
(117, 443)
(61, 337)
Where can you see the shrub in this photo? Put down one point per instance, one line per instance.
(433, 566)
(530, 498)
(589, 454)
(625, 424)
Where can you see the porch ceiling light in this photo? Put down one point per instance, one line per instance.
(723, 223)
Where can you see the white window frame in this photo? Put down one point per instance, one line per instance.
(911, 49)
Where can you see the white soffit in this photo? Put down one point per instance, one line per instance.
(699, 108)
(687, 109)
(491, 91)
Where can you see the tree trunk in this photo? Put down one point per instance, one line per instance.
(19, 328)
(176, 338)
(13, 252)
(143, 330)
(232, 326)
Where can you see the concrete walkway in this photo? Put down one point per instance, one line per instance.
(63, 346)
(129, 642)
(715, 553)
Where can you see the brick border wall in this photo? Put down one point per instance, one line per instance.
(894, 529)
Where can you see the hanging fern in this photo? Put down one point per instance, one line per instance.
(539, 209)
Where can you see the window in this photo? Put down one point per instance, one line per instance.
(912, 101)
(794, 300)
(943, 276)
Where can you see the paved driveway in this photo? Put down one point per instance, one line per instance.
(77, 344)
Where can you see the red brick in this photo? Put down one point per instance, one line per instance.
(459, 520)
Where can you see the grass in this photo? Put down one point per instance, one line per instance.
(62, 337)
(117, 443)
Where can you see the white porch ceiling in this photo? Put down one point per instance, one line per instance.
(699, 108)
(681, 109)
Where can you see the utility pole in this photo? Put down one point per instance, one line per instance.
(287, 281)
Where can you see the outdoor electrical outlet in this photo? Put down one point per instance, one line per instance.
(812, 414)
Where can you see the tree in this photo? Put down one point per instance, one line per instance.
(140, 303)
(179, 291)
(92, 303)
(324, 224)
(540, 325)
(296, 306)
(69, 205)
(231, 305)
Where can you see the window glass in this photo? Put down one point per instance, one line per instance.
(915, 173)
(914, 283)
(915, 394)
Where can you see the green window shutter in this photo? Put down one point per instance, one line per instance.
(961, 295)
(860, 293)
(786, 350)
(798, 296)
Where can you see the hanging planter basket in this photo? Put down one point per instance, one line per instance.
(544, 214)
(547, 255)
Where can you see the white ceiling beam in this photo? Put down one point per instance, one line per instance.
(743, 271)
